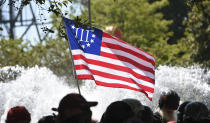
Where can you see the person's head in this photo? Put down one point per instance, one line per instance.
(147, 115)
(169, 101)
(117, 112)
(47, 119)
(74, 108)
(195, 111)
(181, 111)
(18, 114)
(135, 105)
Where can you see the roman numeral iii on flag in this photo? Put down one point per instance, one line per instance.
(110, 61)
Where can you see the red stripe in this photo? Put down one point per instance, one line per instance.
(126, 59)
(121, 86)
(103, 74)
(85, 76)
(80, 67)
(111, 76)
(125, 79)
(115, 67)
(77, 57)
(118, 47)
(116, 39)
(145, 78)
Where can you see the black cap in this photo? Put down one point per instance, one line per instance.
(117, 112)
(72, 101)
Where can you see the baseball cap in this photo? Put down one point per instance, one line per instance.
(72, 101)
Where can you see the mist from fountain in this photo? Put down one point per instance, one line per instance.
(38, 89)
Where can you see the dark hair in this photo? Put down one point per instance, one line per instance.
(170, 100)
(181, 111)
(147, 114)
(47, 119)
(195, 111)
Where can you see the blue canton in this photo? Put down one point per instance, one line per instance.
(88, 40)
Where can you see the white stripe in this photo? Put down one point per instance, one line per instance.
(81, 72)
(115, 62)
(128, 55)
(113, 81)
(115, 72)
(113, 41)
(85, 72)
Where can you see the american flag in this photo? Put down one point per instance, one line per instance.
(110, 61)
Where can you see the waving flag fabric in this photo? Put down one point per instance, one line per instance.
(110, 61)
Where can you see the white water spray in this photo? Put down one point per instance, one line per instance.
(38, 89)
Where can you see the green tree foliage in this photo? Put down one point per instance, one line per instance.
(13, 52)
(177, 11)
(142, 25)
(53, 54)
(198, 31)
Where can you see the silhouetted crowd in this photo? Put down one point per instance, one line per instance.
(73, 108)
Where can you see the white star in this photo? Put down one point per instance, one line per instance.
(93, 35)
(83, 46)
(92, 41)
(88, 45)
(72, 27)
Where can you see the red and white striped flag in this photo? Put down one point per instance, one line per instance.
(110, 61)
